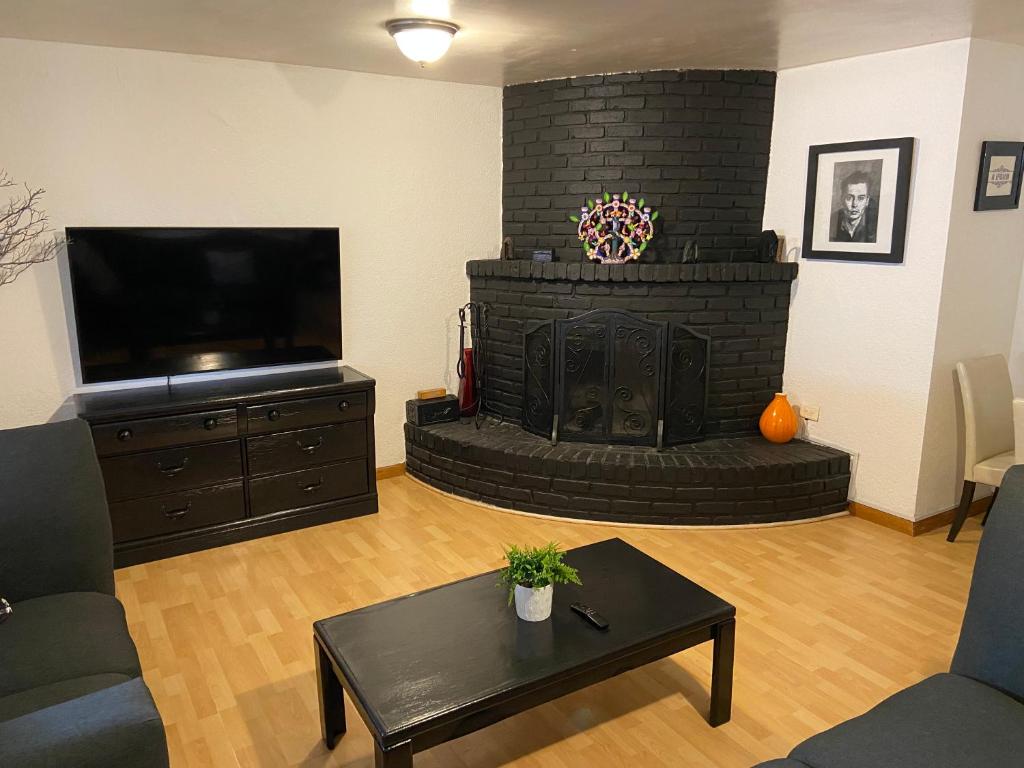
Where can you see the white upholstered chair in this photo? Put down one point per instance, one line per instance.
(987, 396)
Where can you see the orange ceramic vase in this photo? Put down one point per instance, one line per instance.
(778, 422)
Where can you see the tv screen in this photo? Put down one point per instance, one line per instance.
(162, 302)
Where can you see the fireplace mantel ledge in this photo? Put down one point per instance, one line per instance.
(577, 271)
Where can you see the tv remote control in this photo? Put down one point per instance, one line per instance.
(590, 615)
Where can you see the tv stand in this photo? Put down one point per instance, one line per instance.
(202, 464)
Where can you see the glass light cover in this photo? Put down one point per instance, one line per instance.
(424, 44)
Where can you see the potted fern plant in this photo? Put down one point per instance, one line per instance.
(530, 577)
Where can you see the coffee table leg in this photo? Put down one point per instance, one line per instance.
(332, 698)
(721, 673)
(398, 756)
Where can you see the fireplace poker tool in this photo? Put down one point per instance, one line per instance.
(470, 364)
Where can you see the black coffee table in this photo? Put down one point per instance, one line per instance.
(435, 665)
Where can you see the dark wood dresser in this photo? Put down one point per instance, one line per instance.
(202, 464)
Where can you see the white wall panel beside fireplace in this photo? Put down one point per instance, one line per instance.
(862, 336)
(133, 138)
(980, 284)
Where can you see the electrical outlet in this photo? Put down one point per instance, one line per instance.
(810, 412)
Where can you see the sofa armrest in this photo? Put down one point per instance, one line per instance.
(118, 727)
(991, 644)
(54, 525)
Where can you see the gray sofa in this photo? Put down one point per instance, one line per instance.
(71, 691)
(974, 714)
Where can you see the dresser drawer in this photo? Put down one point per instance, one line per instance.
(286, 451)
(171, 513)
(147, 434)
(175, 469)
(308, 487)
(291, 414)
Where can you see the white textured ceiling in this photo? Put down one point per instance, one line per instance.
(513, 41)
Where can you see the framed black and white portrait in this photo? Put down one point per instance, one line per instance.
(999, 176)
(857, 199)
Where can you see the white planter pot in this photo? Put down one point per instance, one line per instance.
(534, 604)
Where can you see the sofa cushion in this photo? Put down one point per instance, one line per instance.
(117, 727)
(945, 720)
(63, 637)
(23, 702)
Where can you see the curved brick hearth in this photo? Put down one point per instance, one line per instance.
(728, 481)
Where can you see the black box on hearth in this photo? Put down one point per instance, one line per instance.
(437, 410)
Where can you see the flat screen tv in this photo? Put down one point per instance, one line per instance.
(162, 302)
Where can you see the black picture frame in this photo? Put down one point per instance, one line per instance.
(895, 189)
(983, 201)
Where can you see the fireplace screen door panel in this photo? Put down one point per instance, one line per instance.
(638, 358)
(608, 380)
(687, 390)
(538, 380)
(609, 376)
(583, 382)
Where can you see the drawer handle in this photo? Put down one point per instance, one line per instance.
(174, 514)
(343, 405)
(312, 447)
(312, 486)
(124, 435)
(172, 471)
(273, 414)
(210, 424)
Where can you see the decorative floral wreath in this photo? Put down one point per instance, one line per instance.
(616, 229)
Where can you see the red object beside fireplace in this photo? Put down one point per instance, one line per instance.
(468, 396)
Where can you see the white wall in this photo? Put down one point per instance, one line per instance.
(981, 280)
(861, 336)
(408, 169)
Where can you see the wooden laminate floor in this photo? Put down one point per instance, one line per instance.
(833, 617)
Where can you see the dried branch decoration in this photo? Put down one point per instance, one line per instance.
(25, 234)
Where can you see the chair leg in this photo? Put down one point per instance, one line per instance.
(961, 513)
(991, 504)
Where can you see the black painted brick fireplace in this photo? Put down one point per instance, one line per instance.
(733, 477)
(695, 145)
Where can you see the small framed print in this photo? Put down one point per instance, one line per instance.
(857, 199)
(999, 176)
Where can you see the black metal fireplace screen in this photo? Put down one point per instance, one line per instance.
(610, 376)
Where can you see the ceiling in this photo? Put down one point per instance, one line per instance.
(514, 41)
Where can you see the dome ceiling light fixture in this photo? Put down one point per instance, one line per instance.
(422, 40)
